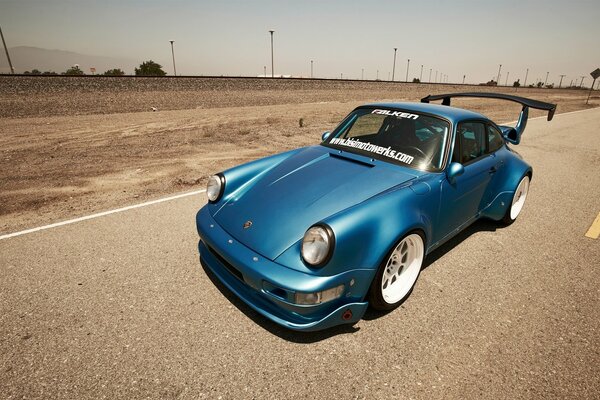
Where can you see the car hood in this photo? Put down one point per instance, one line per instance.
(306, 188)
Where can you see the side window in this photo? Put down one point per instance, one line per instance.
(472, 141)
(495, 140)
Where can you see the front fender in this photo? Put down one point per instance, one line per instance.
(365, 232)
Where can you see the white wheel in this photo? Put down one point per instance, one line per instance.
(518, 200)
(399, 273)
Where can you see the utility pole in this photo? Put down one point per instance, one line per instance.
(581, 83)
(394, 67)
(362, 74)
(377, 76)
(421, 77)
(506, 82)
(265, 71)
(561, 78)
(436, 76)
(464, 76)
(173, 54)
(546, 81)
(407, 67)
(271, 31)
(526, 73)
(498, 79)
(429, 81)
(311, 69)
(12, 70)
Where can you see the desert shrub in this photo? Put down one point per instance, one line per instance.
(150, 68)
(114, 72)
(74, 70)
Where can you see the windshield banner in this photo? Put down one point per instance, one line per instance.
(384, 151)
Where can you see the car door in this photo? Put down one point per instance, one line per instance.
(463, 198)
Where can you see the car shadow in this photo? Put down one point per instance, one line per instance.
(482, 225)
(312, 337)
(272, 327)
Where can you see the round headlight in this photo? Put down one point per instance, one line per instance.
(317, 245)
(214, 187)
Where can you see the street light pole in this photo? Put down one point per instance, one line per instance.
(561, 78)
(12, 70)
(311, 69)
(271, 31)
(436, 76)
(581, 83)
(394, 67)
(464, 76)
(546, 81)
(429, 81)
(506, 82)
(421, 76)
(526, 73)
(362, 74)
(173, 54)
(407, 67)
(498, 79)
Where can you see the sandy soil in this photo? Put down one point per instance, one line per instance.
(71, 146)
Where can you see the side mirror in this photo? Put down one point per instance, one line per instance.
(455, 169)
(325, 135)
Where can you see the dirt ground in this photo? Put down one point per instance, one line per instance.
(72, 146)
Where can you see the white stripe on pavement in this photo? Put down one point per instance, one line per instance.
(101, 214)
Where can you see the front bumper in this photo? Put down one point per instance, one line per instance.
(269, 287)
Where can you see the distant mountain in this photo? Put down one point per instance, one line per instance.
(25, 58)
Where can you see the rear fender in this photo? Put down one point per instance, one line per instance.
(517, 170)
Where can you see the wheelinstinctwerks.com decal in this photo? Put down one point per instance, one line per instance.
(384, 151)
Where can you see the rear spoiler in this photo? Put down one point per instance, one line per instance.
(513, 135)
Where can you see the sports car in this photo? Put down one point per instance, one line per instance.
(311, 237)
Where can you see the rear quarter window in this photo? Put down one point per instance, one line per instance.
(495, 140)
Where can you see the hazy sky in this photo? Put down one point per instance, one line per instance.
(231, 38)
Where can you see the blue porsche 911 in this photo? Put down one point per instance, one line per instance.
(311, 237)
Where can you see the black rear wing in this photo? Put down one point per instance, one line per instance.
(513, 135)
(540, 105)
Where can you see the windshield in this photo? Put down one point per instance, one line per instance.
(410, 139)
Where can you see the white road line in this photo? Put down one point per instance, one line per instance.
(101, 214)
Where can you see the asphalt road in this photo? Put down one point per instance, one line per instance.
(119, 307)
